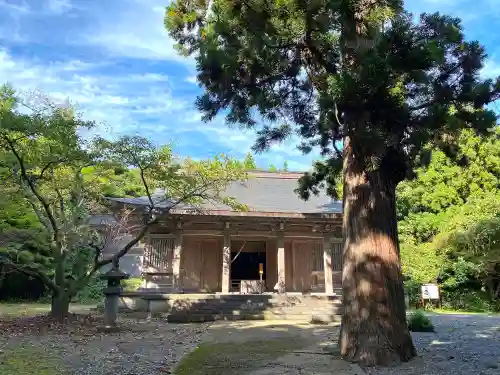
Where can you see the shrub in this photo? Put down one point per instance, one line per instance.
(419, 322)
(93, 291)
(469, 300)
(132, 284)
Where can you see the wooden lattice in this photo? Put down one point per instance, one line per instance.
(159, 254)
(337, 249)
(318, 263)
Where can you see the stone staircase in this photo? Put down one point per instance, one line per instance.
(210, 307)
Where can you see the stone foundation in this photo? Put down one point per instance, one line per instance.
(208, 307)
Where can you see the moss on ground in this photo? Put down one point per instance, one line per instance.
(32, 309)
(25, 360)
(236, 358)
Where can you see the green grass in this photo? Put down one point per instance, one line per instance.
(32, 309)
(235, 358)
(462, 312)
(25, 360)
(458, 312)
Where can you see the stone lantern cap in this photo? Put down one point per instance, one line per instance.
(115, 273)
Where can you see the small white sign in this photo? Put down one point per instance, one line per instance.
(430, 291)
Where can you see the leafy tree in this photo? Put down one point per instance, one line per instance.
(45, 160)
(249, 162)
(272, 168)
(354, 71)
(431, 202)
(285, 166)
(475, 255)
(115, 182)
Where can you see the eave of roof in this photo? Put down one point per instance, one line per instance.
(266, 194)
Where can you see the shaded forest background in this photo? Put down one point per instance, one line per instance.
(449, 226)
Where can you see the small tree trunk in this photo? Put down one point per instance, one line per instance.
(374, 329)
(60, 307)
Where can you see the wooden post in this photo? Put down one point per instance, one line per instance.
(226, 263)
(327, 263)
(176, 260)
(281, 286)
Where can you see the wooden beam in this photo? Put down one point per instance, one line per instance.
(327, 264)
(280, 242)
(226, 264)
(249, 233)
(176, 259)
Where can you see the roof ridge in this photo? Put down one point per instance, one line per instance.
(276, 175)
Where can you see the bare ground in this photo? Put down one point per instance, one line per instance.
(465, 344)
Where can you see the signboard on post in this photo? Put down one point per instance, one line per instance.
(430, 292)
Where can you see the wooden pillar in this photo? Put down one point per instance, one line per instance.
(328, 263)
(280, 241)
(226, 263)
(176, 259)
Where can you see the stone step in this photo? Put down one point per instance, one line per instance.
(195, 317)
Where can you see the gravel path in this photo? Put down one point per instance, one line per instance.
(461, 345)
(140, 348)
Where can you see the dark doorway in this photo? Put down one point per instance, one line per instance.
(246, 264)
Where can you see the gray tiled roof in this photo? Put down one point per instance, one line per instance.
(265, 192)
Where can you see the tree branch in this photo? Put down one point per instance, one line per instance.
(34, 190)
(128, 246)
(146, 187)
(239, 252)
(31, 271)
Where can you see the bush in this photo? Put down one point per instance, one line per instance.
(419, 322)
(93, 292)
(132, 284)
(469, 301)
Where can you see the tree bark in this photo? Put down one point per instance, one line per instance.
(60, 307)
(374, 329)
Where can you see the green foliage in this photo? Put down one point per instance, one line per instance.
(132, 284)
(394, 86)
(92, 292)
(419, 322)
(421, 263)
(249, 162)
(59, 180)
(272, 168)
(29, 360)
(449, 223)
(117, 182)
(469, 300)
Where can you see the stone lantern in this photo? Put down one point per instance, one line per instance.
(112, 292)
(407, 295)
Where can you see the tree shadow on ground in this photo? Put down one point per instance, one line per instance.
(461, 345)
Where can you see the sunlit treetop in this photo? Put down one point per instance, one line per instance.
(327, 70)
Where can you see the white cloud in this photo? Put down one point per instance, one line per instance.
(491, 69)
(118, 101)
(59, 6)
(137, 97)
(136, 31)
(17, 6)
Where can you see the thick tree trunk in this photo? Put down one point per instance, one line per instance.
(60, 307)
(374, 329)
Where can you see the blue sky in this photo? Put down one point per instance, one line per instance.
(114, 60)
